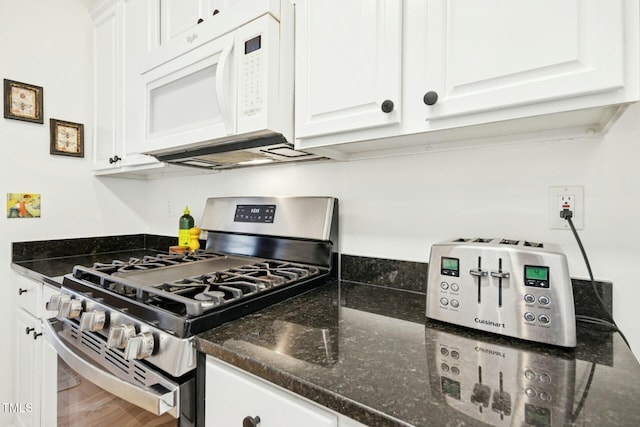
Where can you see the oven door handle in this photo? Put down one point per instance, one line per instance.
(156, 402)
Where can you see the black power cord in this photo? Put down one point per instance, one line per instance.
(610, 324)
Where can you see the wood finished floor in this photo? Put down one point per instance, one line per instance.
(88, 405)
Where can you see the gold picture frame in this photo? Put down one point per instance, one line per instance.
(23, 101)
(67, 138)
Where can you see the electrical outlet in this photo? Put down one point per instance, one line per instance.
(566, 197)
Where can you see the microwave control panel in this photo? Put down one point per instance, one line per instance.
(253, 70)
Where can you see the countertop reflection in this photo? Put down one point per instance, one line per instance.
(366, 352)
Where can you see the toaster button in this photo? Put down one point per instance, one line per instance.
(530, 299)
(444, 286)
(455, 287)
(543, 318)
(529, 317)
(444, 301)
(455, 303)
(544, 300)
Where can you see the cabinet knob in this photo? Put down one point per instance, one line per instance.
(430, 98)
(114, 159)
(28, 330)
(215, 12)
(36, 335)
(251, 421)
(387, 106)
(200, 20)
(22, 291)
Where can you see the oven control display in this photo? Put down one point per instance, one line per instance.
(255, 213)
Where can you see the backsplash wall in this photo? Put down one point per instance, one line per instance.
(396, 208)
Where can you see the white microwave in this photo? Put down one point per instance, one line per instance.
(225, 97)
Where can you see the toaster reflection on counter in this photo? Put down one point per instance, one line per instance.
(501, 384)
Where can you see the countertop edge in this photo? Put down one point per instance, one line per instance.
(34, 275)
(331, 400)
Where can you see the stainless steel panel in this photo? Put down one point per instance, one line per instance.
(295, 217)
(501, 303)
(170, 273)
(148, 390)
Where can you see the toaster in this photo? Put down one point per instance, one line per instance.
(516, 288)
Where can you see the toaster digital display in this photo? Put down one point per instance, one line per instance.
(450, 266)
(536, 276)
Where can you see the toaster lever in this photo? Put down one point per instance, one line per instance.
(501, 274)
(478, 273)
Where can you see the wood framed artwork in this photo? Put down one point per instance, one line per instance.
(67, 138)
(23, 101)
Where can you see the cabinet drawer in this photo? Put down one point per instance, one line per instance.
(29, 295)
(232, 395)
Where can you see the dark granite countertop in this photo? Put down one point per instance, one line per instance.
(49, 260)
(365, 351)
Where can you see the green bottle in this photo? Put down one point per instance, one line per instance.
(186, 223)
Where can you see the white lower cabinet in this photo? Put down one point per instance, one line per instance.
(28, 369)
(233, 396)
(36, 361)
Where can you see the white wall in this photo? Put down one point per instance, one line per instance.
(394, 208)
(48, 43)
(398, 207)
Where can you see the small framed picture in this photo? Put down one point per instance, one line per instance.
(22, 101)
(67, 138)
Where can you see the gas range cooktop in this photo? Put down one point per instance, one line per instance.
(192, 284)
(251, 261)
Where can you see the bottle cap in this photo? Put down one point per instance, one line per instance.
(186, 210)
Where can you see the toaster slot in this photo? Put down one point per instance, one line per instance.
(500, 275)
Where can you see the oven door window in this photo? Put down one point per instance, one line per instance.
(81, 403)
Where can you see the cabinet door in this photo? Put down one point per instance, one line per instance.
(348, 63)
(106, 83)
(496, 54)
(28, 369)
(232, 395)
(177, 16)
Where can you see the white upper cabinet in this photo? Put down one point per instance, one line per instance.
(460, 72)
(121, 36)
(177, 16)
(496, 54)
(348, 65)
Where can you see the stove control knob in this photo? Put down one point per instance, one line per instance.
(56, 301)
(140, 346)
(70, 309)
(119, 335)
(93, 320)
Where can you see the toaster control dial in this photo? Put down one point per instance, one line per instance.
(140, 346)
(119, 335)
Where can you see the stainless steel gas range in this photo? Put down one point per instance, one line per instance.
(128, 326)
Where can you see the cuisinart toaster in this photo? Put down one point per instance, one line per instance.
(509, 287)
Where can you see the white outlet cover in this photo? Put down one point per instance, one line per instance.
(555, 221)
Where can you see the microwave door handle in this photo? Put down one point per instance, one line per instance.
(221, 78)
(154, 402)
